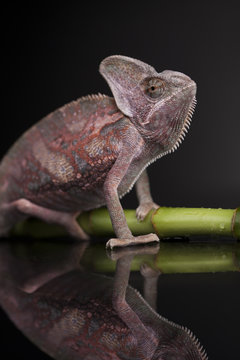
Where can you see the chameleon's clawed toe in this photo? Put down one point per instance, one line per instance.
(135, 240)
(144, 208)
(120, 252)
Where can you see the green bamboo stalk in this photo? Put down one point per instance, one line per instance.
(193, 221)
(167, 222)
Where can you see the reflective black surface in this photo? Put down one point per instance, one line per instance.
(198, 286)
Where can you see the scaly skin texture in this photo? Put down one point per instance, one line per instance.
(72, 314)
(89, 153)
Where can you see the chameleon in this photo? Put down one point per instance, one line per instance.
(76, 314)
(90, 152)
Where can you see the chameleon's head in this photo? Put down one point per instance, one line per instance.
(159, 104)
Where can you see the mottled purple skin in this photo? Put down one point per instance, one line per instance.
(89, 153)
(62, 161)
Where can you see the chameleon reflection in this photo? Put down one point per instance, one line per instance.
(70, 313)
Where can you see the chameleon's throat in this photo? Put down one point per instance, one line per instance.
(185, 126)
(183, 131)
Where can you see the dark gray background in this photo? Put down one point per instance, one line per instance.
(51, 56)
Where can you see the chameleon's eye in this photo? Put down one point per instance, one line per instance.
(154, 88)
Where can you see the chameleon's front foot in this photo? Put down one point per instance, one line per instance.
(144, 208)
(135, 240)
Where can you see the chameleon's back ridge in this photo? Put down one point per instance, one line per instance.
(90, 152)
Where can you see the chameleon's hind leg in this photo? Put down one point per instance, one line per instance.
(67, 220)
(150, 276)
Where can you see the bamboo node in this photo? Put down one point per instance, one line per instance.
(235, 225)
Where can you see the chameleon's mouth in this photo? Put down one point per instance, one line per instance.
(185, 126)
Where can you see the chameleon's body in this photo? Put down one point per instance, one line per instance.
(91, 152)
(63, 160)
(73, 316)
